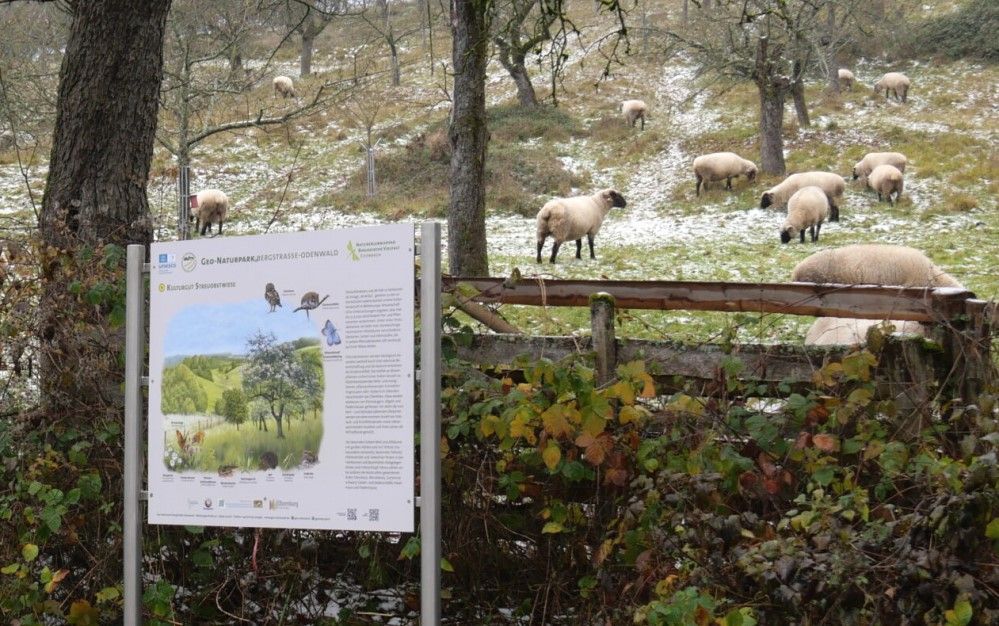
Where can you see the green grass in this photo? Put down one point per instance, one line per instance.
(242, 447)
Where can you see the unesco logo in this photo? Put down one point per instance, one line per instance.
(189, 262)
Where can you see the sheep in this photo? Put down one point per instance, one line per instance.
(866, 165)
(895, 82)
(284, 87)
(836, 331)
(566, 219)
(832, 184)
(634, 110)
(209, 206)
(807, 208)
(886, 180)
(845, 77)
(873, 264)
(721, 166)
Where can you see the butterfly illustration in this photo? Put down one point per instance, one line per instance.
(329, 331)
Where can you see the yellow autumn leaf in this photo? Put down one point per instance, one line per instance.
(630, 414)
(554, 420)
(594, 425)
(623, 391)
(552, 528)
(552, 455)
(57, 577)
(649, 388)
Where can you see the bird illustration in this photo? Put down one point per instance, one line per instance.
(332, 336)
(268, 460)
(309, 458)
(272, 296)
(227, 470)
(310, 301)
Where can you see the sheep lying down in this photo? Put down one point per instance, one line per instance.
(568, 219)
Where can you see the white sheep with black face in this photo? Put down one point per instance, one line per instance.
(718, 166)
(806, 210)
(866, 165)
(212, 207)
(634, 110)
(832, 184)
(568, 219)
(896, 83)
(886, 180)
(845, 77)
(284, 86)
(872, 264)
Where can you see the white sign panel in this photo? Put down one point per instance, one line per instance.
(281, 388)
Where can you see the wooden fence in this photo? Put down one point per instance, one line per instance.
(958, 357)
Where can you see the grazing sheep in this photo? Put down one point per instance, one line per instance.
(807, 208)
(832, 184)
(284, 87)
(209, 206)
(566, 219)
(866, 165)
(886, 180)
(845, 78)
(872, 264)
(709, 168)
(838, 331)
(634, 110)
(895, 82)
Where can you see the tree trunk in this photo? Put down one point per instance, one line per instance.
(798, 95)
(686, 13)
(514, 63)
(308, 40)
(832, 67)
(772, 88)
(771, 131)
(396, 73)
(95, 194)
(277, 420)
(466, 218)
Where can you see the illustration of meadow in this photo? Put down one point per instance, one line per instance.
(242, 390)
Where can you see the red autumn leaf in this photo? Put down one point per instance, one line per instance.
(748, 480)
(825, 442)
(772, 486)
(803, 440)
(767, 465)
(596, 448)
(616, 477)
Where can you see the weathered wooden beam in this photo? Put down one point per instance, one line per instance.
(858, 301)
(602, 330)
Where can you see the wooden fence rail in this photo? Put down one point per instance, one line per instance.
(963, 327)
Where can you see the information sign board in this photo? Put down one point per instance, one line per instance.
(281, 388)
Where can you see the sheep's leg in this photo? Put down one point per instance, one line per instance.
(555, 247)
(589, 239)
(579, 248)
(801, 235)
(728, 183)
(643, 122)
(220, 228)
(833, 212)
(541, 244)
(697, 188)
(205, 227)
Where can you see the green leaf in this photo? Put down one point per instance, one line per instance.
(52, 516)
(107, 594)
(446, 565)
(552, 528)
(29, 551)
(202, 558)
(195, 530)
(992, 530)
(824, 475)
(10, 569)
(411, 549)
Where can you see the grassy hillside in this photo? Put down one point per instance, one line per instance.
(309, 174)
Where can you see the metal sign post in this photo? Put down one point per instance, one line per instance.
(134, 352)
(430, 424)
(183, 203)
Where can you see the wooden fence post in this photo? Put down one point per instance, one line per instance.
(968, 348)
(604, 340)
(908, 378)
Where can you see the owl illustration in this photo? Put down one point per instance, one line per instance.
(272, 297)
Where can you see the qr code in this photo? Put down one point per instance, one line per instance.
(352, 514)
(372, 515)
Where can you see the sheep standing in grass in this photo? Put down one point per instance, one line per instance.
(709, 168)
(872, 264)
(832, 184)
(839, 331)
(895, 82)
(210, 207)
(634, 110)
(806, 209)
(284, 87)
(886, 180)
(845, 78)
(866, 165)
(567, 219)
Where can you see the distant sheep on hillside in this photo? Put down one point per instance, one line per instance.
(284, 86)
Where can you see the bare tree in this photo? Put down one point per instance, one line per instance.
(309, 18)
(386, 30)
(515, 39)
